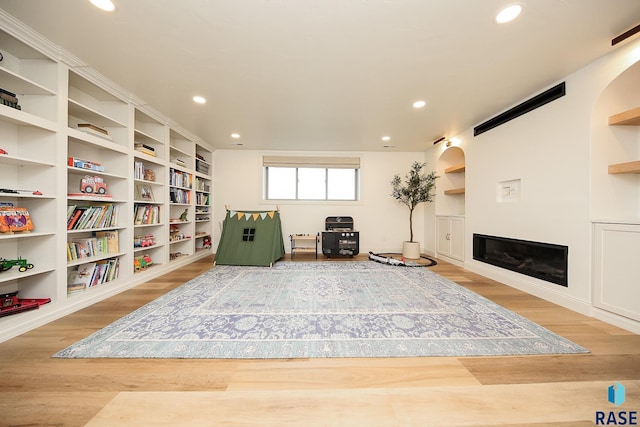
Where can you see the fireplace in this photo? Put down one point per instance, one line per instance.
(543, 261)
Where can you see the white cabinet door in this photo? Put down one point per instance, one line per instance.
(443, 244)
(450, 237)
(616, 270)
(457, 238)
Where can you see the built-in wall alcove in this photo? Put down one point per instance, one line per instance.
(451, 184)
(615, 196)
(615, 149)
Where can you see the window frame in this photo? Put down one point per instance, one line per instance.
(326, 163)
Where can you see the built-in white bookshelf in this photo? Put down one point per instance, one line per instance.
(79, 144)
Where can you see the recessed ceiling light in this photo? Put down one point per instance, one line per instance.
(419, 104)
(235, 135)
(508, 13)
(199, 99)
(104, 5)
(386, 138)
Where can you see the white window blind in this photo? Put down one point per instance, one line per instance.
(311, 162)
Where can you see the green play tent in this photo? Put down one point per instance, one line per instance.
(250, 238)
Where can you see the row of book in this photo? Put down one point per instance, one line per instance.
(146, 214)
(92, 274)
(202, 199)
(177, 195)
(91, 216)
(202, 185)
(100, 244)
(9, 99)
(180, 179)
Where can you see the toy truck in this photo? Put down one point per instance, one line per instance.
(93, 184)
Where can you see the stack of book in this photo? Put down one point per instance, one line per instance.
(179, 162)
(202, 166)
(9, 99)
(145, 148)
(94, 130)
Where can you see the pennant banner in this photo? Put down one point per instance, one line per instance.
(254, 215)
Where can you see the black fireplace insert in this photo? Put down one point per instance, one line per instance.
(543, 261)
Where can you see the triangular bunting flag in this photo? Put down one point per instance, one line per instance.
(240, 215)
(255, 216)
(271, 214)
(263, 215)
(246, 217)
(232, 214)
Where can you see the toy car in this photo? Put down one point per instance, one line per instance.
(144, 242)
(23, 265)
(93, 184)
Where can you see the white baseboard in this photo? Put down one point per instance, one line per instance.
(579, 306)
(529, 286)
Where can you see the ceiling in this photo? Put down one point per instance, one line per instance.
(332, 75)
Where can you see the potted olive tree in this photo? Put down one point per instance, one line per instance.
(417, 187)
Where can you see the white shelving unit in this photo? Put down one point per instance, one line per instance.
(136, 150)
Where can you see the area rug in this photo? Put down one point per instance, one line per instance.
(319, 310)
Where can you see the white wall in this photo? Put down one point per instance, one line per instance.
(382, 221)
(549, 150)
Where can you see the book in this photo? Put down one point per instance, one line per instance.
(13, 219)
(93, 127)
(6, 92)
(77, 213)
(95, 132)
(111, 239)
(85, 164)
(83, 275)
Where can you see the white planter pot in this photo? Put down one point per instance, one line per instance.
(411, 250)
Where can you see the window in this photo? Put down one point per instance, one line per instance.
(311, 178)
(248, 234)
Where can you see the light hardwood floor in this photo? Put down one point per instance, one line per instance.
(555, 390)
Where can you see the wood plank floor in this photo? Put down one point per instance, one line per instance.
(555, 390)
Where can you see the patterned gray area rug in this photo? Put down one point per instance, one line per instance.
(327, 309)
